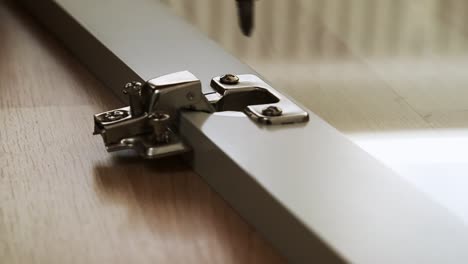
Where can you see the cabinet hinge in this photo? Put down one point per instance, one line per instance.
(149, 125)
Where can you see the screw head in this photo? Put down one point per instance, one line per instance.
(114, 115)
(159, 117)
(132, 88)
(229, 79)
(272, 110)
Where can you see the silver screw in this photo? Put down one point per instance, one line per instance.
(132, 88)
(114, 115)
(229, 79)
(137, 106)
(272, 110)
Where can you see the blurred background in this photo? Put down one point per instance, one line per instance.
(320, 52)
(299, 30)
(390, 74)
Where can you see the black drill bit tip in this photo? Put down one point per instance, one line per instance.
(245, 9)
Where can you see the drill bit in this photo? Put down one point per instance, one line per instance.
(245, 11)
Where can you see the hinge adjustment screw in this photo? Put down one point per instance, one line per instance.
(272, 111)
(133, 90)
(229, 79)
(114, 115)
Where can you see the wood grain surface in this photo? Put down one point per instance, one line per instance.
(65, 200)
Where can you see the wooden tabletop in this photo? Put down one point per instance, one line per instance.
(64, 199)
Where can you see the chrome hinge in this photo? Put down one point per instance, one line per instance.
(149, 125)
